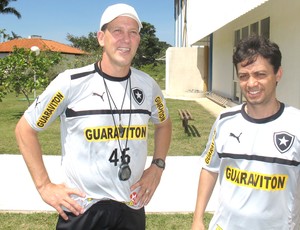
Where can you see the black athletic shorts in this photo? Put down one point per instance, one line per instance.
(104, 215)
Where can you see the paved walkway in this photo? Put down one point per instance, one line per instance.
(176, 192)
(211, 106)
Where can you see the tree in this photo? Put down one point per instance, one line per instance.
(4, 36)
(19, 69)
(149, 50)
(88, 44)
(14, 36)
(5, 9)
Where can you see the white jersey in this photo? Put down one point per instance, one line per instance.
(91, 106)
(259, 172)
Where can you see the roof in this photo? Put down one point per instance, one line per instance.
(206, 16)
(43, 44)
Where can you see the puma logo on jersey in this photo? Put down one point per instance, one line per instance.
(236, 137)
(97, 94)
(37, 101)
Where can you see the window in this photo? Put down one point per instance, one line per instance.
(254, 28)
(245, 32)
(265, 27)
(260, 27)
(237, 37)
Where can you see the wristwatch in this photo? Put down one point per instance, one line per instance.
(159, 163)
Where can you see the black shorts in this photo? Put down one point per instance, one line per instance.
(107, 214)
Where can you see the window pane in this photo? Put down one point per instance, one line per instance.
(245, 32)
(237, 37)
(265, 27)
(254, 28)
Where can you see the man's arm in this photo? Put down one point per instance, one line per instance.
(162, 139)
(207, 181)
(151, 176)
(52, 194)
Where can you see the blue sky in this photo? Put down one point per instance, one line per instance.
(54, 19)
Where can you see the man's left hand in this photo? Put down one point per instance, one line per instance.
(148, 184)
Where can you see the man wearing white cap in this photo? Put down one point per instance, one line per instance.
(104, 110)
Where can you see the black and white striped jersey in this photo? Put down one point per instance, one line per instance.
(100, 117)
(259, 172)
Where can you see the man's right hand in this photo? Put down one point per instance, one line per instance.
(198, 225)
(58, 195)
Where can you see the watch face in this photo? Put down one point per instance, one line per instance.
(160, 163)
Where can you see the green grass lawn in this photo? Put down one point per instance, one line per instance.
(47, 221)
(182, 144)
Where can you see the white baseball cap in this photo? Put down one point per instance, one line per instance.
(117, 10)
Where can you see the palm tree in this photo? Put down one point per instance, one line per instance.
(3, 35)
(4, 9)
(14, 36)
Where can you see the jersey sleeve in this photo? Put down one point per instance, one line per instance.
(209, 158)
(50, 104)
(159, 110)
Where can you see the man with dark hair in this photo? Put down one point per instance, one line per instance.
(254, 150)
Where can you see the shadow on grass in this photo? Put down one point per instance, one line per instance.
(193, 131)
(17, 115)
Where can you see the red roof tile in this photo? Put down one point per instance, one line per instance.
(7, 47)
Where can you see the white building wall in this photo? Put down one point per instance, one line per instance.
(222, 63)
(284, 30)
(186, 71)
